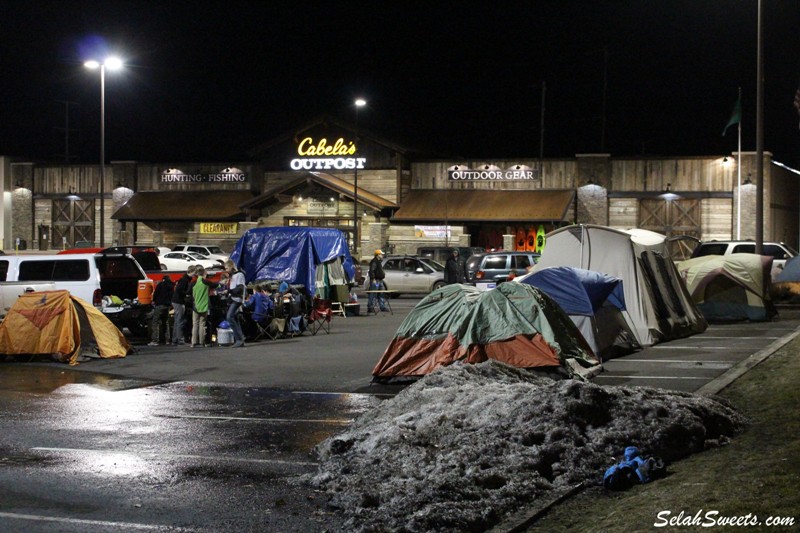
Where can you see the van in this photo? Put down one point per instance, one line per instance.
(90, 277)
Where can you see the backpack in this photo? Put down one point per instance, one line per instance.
(634, 470)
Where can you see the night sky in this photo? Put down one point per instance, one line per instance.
(207, 81)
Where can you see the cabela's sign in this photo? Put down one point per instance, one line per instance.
(175, 175)
(324, 155)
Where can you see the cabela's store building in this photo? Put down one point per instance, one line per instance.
(328, 174)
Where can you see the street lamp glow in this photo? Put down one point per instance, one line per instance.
(360, 102)
(113, 63)
(110, 63)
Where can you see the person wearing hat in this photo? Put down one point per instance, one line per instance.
(162, 300)
(453, 271)
(376, 276)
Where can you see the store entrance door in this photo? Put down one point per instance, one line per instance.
(73, 221)
(673, 218)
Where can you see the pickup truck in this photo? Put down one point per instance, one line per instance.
(93, 277)
(10, 291)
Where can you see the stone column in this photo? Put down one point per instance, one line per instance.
(508, 242)
(378, 238)
(592, 205)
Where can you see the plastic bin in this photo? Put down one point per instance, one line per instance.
(224, 336)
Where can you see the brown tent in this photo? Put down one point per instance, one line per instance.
(60, 325)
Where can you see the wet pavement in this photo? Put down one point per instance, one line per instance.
(219, 439)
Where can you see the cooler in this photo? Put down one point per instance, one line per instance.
(145, 292)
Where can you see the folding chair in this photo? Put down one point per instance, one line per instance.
(265, 329)
(320, 316)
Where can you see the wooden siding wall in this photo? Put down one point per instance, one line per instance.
(149, 177)
(690, 174)
(82, 179)
(623, 213)
(716, 215)
(558, 174)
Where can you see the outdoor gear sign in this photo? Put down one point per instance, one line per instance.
(511, 174)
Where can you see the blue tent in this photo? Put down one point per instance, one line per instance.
(291, 254)
(594, 301)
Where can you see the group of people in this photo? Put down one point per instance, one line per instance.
(194, 290)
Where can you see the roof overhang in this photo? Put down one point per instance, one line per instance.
(543, 205)
(337, 185)
(184, 205)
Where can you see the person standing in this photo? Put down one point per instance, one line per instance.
(236, 293)
(200, 295)
(179, 295)
(453, 270)
(376, 276)
(162, 299)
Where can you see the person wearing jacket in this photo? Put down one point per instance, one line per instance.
(236, 292)
(200, 294)
(162, 299)
(376, 276)
(453, 270)
(179, 296)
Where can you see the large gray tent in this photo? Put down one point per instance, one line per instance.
(658, 305)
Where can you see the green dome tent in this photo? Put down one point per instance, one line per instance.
(516, 324)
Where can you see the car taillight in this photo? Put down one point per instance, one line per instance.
(97, 298)
(479, 274)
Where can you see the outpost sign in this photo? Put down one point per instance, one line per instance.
(493, 175)
(322, 155)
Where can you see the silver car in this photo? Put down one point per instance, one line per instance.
(409, 274)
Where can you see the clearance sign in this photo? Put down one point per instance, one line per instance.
(325, 155)
(219, 228)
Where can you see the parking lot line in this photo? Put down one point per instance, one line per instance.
(124, 526)
(174, 456)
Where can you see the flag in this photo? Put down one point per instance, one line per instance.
(736, 115)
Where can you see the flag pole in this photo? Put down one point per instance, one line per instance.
(739, 179)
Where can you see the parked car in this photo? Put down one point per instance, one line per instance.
(408, 274)
(183, 260)
(89, 276)
(210, 251)
(779, 251)
(487, 269)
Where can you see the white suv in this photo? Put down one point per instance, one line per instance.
(210, 251)
(779, 251)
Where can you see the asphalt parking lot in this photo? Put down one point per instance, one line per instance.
(342, 360)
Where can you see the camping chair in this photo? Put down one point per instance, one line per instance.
(265, 329)
(320, 316)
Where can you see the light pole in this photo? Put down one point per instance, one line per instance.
(112, 63)
(360, 102)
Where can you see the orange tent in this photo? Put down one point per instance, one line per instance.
(60, 325)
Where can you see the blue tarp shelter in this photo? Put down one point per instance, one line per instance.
(594, 301)
(291, 254)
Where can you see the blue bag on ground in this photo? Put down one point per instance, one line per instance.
(634, 470)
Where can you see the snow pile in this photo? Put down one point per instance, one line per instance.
(469, 444)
